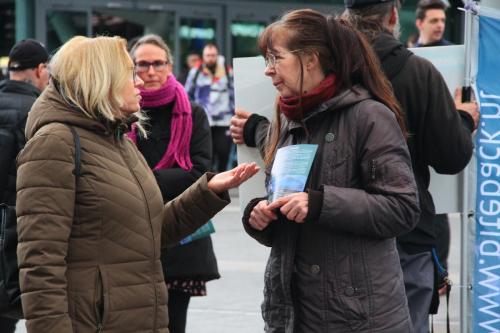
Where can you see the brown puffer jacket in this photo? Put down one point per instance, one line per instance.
(89, 254)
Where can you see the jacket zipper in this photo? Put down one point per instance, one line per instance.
(101, 314)
(120, 145)
(2, 231)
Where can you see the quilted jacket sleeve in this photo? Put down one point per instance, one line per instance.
(194, 207)
(386, 204)
(45, 206)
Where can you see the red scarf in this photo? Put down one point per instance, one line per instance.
(295, 107)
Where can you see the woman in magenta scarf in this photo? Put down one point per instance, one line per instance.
(178, 150)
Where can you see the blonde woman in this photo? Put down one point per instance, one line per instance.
(89, 246)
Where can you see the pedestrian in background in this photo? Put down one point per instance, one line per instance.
(193, 60)
(28, 77)
(333, 265)
(91, 219)
(178, 149)
(431, 23)
(211, 85)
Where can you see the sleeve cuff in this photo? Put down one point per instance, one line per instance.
(224, 195)
(467, 120)
(250, 128)
(315, 198)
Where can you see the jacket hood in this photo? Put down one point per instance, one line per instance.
(50, 107)
(18, 87)
(391, 53)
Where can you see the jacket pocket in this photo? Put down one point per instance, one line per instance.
(338, 170)
(101, 304)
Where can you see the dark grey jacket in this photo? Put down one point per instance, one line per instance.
(341, 272)
(16, 99)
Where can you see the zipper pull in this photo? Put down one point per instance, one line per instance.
(373, 169)
(99, 328)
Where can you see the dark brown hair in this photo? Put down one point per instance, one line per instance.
(424, 5)
(341, 50)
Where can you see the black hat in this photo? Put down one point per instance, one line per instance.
(27, 53)
(361, 3)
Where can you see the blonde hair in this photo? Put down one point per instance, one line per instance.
(92, 73)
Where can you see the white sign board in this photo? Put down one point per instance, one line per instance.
(254, 92)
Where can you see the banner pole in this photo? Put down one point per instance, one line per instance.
(464, 218)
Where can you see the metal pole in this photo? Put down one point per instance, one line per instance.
(464, 253)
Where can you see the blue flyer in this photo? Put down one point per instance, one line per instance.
(290, 170)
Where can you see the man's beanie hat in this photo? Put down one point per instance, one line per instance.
(27, 53)
(361, 3)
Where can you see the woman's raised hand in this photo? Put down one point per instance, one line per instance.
(233, 178)
(238, 122)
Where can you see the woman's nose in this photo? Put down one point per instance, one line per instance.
(269, 70)
(138, 82)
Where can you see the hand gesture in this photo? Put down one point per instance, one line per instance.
(238, 122)
(233, 178)
(293, 206)
(469, 107)
(261, 216)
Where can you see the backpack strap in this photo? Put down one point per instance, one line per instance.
(193, 83)
(76, 139)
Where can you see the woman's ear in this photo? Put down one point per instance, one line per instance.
(312, 61)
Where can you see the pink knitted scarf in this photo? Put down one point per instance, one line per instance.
(181, 126)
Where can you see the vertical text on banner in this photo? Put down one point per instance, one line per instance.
(486, 287)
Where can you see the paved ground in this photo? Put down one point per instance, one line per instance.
(233, 302)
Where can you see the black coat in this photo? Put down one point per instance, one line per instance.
(440, 136)
(195, 260)
(340, 272)
(16, 99)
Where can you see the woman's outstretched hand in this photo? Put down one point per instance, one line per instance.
(233, 178)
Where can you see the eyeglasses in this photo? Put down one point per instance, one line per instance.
(271, 59)
(143, 66)
(134, 73)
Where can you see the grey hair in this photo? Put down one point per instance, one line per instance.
(370, 20)
(152, 39)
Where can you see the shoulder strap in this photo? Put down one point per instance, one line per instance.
(76, 139)
(193, 83)
(229, 83)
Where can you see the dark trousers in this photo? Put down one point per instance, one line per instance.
(221, 147)
(418, 274)
(442, 228)
(177, 310)
(7, 325)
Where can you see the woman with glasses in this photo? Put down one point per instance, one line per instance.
(91, 218)
(178, 149)
(333, 265)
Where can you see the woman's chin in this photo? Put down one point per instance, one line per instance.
(152, 86)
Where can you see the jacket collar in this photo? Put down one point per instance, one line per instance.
(342, 100)
(19, 87)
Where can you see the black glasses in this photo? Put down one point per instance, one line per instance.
(143, 66)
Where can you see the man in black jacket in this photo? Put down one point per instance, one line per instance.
(29, 76)
(440, 136)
